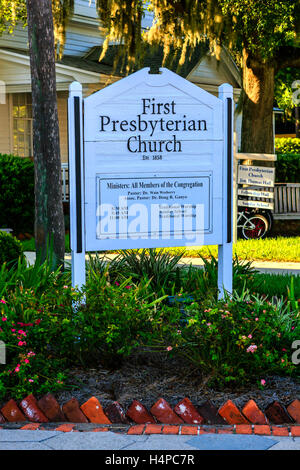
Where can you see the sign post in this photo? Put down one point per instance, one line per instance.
(76, 184)
(154, 168)
(225, 249)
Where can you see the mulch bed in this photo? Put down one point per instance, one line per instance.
(173, 381)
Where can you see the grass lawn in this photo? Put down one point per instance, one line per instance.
(269, 249)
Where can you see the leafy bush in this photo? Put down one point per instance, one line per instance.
(287, 168)
(108, 327)
(10, 248)
(287, 145)
(35, 303)
(47, 327)
(17, 193)
(233, 341)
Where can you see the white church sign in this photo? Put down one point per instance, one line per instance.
(150, 165)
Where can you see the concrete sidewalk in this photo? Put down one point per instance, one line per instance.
(269, 267)
(56, 440)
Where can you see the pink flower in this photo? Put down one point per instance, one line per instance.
(252, 348)
(283, 349)
(263, 382)
(256, 319)
(17, 369)
(128, 287)
(250, 336)
(26, 361)
(117, 284)
(2, 301)
(66, 287)
(22, 343)
(169, 348)
(4, 319)
(30, 380)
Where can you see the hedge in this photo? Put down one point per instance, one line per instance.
(287, 168)
(17, 193)
(287, 145)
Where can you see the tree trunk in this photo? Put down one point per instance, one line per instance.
(258, 98)
(49, 217)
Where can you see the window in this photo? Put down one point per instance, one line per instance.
(22, 124)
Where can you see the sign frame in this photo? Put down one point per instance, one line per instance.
(80, 141)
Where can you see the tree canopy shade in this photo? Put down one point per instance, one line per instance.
(262, 36)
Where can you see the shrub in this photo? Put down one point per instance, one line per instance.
(109, 326)
(287, 168)
(287, 145)
(10, 248)
(17, 193)
(233, 341)
(36, 309)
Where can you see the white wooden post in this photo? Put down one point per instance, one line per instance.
(76, 184)
(225, 273)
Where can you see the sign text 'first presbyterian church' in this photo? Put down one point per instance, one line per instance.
(164, 120)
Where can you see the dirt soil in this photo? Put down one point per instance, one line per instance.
(171, 380)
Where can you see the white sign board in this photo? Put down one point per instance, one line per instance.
(255, 193)
(154, 168)
(256, 204)
(256, 175)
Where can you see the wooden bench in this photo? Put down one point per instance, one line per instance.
(287, 201)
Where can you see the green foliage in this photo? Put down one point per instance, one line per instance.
(17, 193)
(260, 27)
(108, 327)
(287, 168)
(34, 304)
(156, 265)
(287, 145)
(12, 12)
(49, 327)
(276, 285)
(236, 341)
(10, 249)
(283, 91)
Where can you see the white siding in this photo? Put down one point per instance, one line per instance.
(209, 72)
(85, 8)
(18, 40)
(79, 44)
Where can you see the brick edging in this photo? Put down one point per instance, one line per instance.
(161, 418)
(164, 429)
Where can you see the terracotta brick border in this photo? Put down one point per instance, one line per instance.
(167, 429)
(184, 418)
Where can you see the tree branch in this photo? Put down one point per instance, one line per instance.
(287, 56)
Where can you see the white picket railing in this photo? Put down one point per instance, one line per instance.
(65, 181)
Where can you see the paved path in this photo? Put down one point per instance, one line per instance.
(56, 440)
(270, 267)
